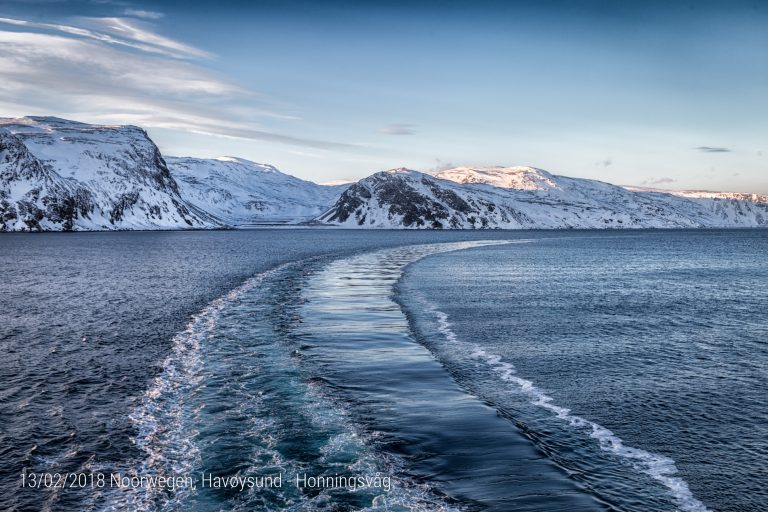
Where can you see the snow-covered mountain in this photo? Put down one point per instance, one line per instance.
(529, 198)
(63, 175)
(240, 192)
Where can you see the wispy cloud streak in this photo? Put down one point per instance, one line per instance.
(87, 77)
(123, 29)
(398, 129)
(710, 149)
(149, 15)
(659, 181)
(136, 38)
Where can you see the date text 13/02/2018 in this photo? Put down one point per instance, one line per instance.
(98, 480)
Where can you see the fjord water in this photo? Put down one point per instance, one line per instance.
(640, 363)
(89, 321)
(574, 371)
(357, 341)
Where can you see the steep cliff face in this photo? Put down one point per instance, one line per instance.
(32, 196)
(528, 198)
(62, 175)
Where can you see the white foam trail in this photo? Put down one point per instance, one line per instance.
(162, 420)
(160, 416)
(659, 467)
(163, 425)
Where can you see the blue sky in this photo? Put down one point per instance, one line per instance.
(663, 94)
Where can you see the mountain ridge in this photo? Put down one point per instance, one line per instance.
(470, 198)
(62, 175)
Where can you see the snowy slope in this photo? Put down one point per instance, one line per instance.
(520, 178)
(240, 192)
(63, 175)
(727, 208)
(527, 198)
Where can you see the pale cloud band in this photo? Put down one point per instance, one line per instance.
(398, 129)
(711, 149)
(116, 31)
(117, 71)
(149, 15)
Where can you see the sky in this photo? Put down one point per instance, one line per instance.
(659, 94)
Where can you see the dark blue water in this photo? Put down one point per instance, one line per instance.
(88, 320)
(640, 364)
(564, 371)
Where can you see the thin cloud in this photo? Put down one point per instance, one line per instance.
(398, 129)
(171, 116)
(69, 64)
(139, 13)
(711, 149)
(116, 31)
(605, 163)
(226, 130)
(440, 165)
(133, 31)
(659, 181)
(90, 79)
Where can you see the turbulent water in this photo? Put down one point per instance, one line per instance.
(406, 371)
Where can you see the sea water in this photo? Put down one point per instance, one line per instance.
(337, 370)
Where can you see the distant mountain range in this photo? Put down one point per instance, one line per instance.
(57, 174)
(529, 198)
(60, 175)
